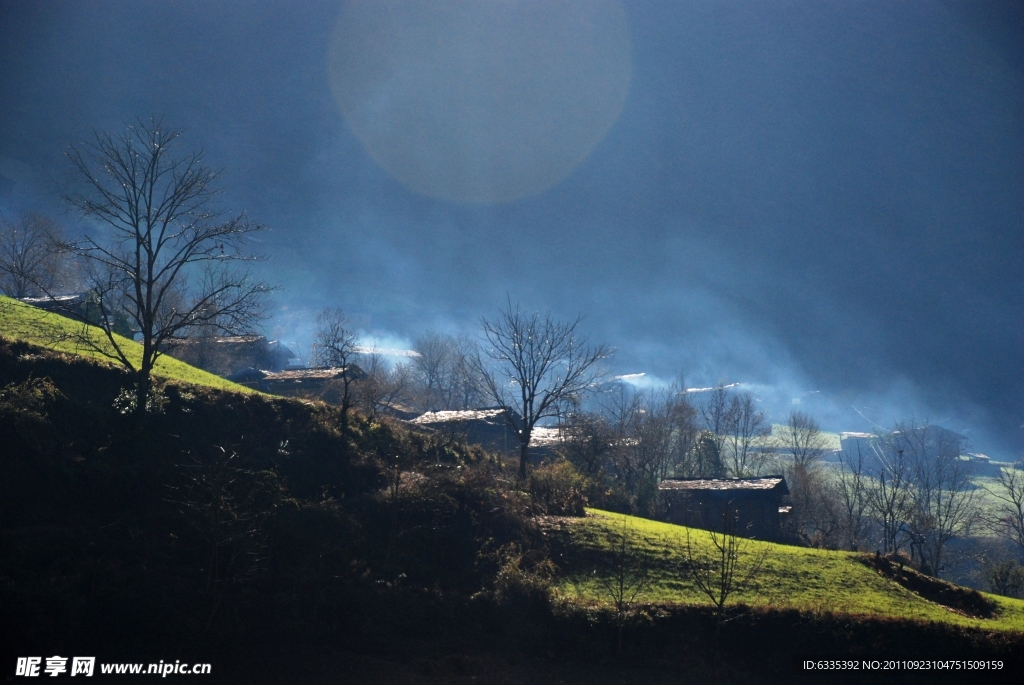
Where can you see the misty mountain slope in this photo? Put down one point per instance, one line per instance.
(19, 321)
(798, 578)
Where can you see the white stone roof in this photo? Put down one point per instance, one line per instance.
(767, 483)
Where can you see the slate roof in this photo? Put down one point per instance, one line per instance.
(432, 417)
(720, 484)
(309, 374)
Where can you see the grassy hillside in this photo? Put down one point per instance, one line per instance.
(791, 577)
(229, 525)
(777, 439)
(19, 321)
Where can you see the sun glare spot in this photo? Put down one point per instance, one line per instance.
(480, 102)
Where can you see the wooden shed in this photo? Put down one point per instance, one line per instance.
(751, 507)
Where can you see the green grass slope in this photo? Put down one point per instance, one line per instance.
(791, 577)
(19, 321)
(777, 438)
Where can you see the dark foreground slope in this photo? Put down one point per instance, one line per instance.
(255, 534)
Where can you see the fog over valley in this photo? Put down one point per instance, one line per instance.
(822, 202)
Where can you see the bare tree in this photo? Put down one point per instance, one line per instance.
(684, 418)
(162, 254)
(629, 575)
(32, 263)
(716, 414)
(942, 500)
(334, 345)
(465, 387)
(677, 417)
(1008, 517)
(852, 486)
(381, 386)
(889, 496)
(746, 427)
(433, 366)
(816, 516)
(443, 371)
(804, 440)
(536, 364)
(625, 413)
(718, 571)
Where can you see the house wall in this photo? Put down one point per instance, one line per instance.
(756, 514)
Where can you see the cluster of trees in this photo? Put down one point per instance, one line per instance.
(437, 378)
(909, 493)
(530, 365)
(32, 263)
(628, 440)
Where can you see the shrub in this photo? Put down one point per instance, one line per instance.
(557, 489)
(523, 579)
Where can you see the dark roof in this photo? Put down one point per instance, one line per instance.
(725, 484)
(218, 340)
(277, 348)
(248, 375)
(312, 374)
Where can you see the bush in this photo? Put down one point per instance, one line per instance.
(522, 577)
(557, 489)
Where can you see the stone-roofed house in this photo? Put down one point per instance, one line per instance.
(752, 507)
(308, 383)
(231, 354)
(488, 428)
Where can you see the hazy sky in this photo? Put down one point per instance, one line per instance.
(798, 196)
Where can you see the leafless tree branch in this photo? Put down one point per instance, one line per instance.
(161, 259)
(535, 364)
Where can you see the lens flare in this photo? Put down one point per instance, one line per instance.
(480, 101)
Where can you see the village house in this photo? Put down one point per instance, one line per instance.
(317, 383)
(228, 355)
(488, 428)
(750, 507)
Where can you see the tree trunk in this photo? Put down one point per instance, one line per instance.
(524, 456)
(143, 382)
